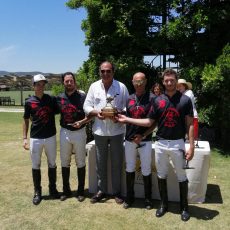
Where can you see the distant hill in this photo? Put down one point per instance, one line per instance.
(14, 80)
(19, 74)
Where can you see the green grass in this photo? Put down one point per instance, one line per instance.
(18, 212)
(16, 95)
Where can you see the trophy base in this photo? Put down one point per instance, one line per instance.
(109, 114)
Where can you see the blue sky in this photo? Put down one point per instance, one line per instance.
(41, 35)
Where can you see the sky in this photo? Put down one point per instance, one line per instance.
(41, 35)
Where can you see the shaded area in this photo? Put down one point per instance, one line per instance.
(200, 213)
(213, 194)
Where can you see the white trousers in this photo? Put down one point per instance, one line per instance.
(36, 148)
(145, 153)
(166, 150)
(72, 142)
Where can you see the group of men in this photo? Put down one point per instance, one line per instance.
(171, 112)
(41, 109)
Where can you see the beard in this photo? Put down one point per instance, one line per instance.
(70, 89)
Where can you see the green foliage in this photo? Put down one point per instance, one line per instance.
(193, 31)
(216, 84)
(106, 12)
(207, 115)
(211, 85)
(212, 78)
(87, 75)
(115, 31)
(122, 30)
(57, 89)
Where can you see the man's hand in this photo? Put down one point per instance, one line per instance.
(76, 124)
(100, 116)
(137, 139)
(189, 154)
(121, 118)
(25, 144)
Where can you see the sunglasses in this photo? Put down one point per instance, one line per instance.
(138, 82)
(106, 71)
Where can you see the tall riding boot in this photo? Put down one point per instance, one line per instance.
(130, 178)
(81, 183)
(184, 201)
(148, 191)
(52, 174)
(162, 184)
(36, 173)
(66, 187)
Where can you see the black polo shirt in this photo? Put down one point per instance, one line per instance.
(170, 113)
(71, 109)
(138, 107)
(42, 115)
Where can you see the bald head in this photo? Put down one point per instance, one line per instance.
(139, 76)
(139, 79)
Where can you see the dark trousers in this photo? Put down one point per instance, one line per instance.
(114, 146)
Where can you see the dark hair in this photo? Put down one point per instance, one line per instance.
(113, 67)
(186, 86)
(67, 73)
(170, 72)
(159, 86)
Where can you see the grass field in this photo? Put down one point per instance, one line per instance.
(16, 95)
(18, 212)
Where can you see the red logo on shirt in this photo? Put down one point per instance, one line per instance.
(137, 112)
(162, 104)
(34, 105)
(171, 116)
(44, 114)
(132, 102)
(62, 101)
(68, 113)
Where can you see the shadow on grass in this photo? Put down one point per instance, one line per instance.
(213, 194)
(200, 213)
(87, 195)
(73, 195)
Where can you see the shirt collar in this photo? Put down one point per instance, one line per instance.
(102, 85)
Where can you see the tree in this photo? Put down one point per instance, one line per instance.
(215, 85)
(116, 31)
(194, 31)
(197, 31)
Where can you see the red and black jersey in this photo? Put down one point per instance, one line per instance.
(170, 113)
(71, 109)
(42, 114)
(138, 107)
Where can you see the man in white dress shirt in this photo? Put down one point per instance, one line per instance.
(108, 133)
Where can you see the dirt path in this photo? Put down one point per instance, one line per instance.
(12, 110)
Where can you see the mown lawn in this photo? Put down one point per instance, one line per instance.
(18, 212)
(16, 95)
